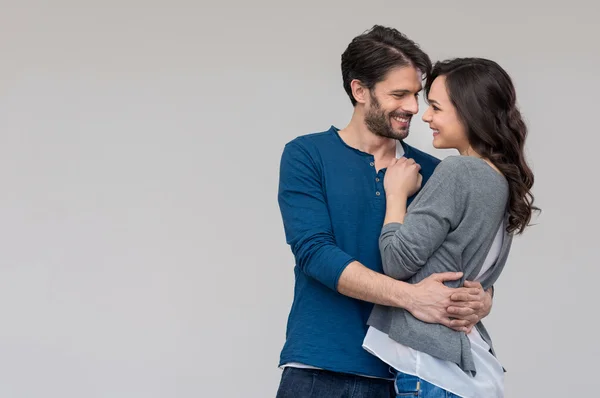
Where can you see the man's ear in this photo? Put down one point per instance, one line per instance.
(359, 91)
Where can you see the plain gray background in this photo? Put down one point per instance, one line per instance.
(141, 248)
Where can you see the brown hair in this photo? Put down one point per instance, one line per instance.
(485, 100)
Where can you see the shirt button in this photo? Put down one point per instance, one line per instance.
(377, 193)
(372, 164)
(377, 180)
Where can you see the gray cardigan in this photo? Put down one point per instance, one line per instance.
(450, 226)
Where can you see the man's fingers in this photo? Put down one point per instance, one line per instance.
(446, 322)
(458, 325)
(460, 304)
(465, 294)
(461, 312)
(474, 305)
(473, 284)
(446, 276)
(466, 322)
(460, 297)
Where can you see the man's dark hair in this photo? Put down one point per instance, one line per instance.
(370, 56)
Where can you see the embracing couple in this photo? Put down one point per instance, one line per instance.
(396, 252)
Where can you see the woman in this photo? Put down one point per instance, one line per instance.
(462, 220)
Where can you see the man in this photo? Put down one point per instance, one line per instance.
(332, 202)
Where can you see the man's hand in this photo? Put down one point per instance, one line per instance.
(430, 299)
(469, 308)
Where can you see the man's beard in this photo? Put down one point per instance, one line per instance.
(379, 123)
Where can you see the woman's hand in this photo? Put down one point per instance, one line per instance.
(402, 178)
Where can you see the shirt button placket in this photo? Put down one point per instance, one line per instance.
(378, 186)
(377, 193)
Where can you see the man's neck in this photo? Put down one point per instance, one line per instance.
(357, 135)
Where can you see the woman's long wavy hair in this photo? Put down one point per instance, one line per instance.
(485, 101)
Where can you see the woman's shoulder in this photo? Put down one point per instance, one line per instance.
(470, 173)
(461, 161)
(466, 164)
(454, 166)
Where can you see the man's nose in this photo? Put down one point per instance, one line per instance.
(412, 106)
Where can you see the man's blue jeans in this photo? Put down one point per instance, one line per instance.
(312, 383)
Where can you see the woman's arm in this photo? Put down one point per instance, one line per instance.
(408, 239)
(431, 208)
(395, 208)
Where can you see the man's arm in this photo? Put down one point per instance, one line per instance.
(306, 218)
(428, 300)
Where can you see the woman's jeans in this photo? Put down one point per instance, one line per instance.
(412, 386)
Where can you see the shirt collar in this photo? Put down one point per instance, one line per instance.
(399, 149)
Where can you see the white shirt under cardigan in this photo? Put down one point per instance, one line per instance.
(489, 379)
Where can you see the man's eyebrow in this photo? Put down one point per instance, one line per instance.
(399, 92)
(402, 91)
